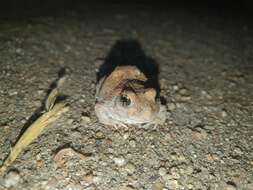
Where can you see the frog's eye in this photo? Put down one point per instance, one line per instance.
(124, 100)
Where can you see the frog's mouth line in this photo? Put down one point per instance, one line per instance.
(127, 119)
(121, 116)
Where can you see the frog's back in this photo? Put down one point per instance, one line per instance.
(110, 86)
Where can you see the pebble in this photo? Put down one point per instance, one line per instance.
(12, 92)
(179, 105)
(199, 135)
(132, 143)
(162, 171)
(93, 85)
(181, 158)
(98, 62)
(205, 94)
(85, 120)
(189, 170)
(23, 121)
(224, 113)
(73, 186)
(190, 186)
(172, 184)
(163, 83)
(185, 98)
(229, 186)
(157, 186)
(99, 135)
(175, 172)
(167, 177)
(88, 178)
(126, 135)
(183, 92)
(81, 100)
(70, 121)
(123, 188)
(37, 103)
(76, 134)
(238, 151)
(130, 168)
(171, 106)
(209, 127)
(40, 92)
(51, 184)
(12, 179)
(90, 188)
(119, 161)
(175, 87)
(19, 51)
(97, 179)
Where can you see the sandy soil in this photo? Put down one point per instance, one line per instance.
(206, 80)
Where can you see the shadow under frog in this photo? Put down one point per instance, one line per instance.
(130, 52)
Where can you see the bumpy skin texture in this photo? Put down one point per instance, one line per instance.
(123, 99)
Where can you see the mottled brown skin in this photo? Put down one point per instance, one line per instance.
(122, 99)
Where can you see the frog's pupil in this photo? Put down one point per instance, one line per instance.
(125, 100)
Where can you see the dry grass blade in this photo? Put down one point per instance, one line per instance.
(33, 132)
(53, 111)
(51, 99)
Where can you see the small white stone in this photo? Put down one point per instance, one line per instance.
(132, 143)
(175, 87)
(179, 105)
(12, 92)
(85, 119)
(12, 179)
(126, 135)
(40, 92)
(162, 171)
(97, 179)
(238, 151)
(175, 172)
(190, 186)
(224, 113)
(119, 161)
(205, 94)
(19, 51)
(172, 184)
(185, 98)
(81, 100)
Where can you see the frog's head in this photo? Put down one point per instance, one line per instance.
(136, 107)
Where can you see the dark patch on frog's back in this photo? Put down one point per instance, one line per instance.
(130, 52)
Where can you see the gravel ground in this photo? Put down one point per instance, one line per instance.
(206, 80)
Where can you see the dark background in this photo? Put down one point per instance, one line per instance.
(17, 9)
